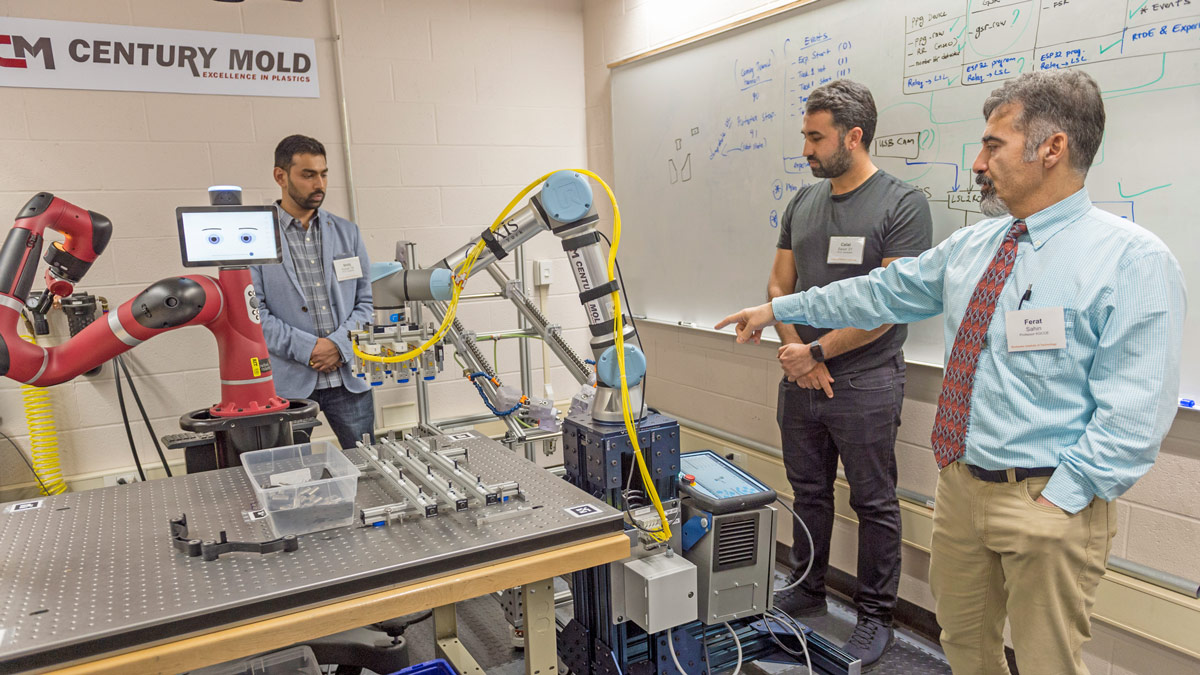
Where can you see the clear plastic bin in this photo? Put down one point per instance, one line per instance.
(303, 488)
(291, 661)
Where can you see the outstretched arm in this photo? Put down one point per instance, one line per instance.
(907, 291)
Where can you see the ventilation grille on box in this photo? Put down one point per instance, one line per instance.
(737, 542)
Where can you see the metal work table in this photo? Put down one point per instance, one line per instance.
(92, 580)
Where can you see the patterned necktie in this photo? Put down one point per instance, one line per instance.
(954, 403)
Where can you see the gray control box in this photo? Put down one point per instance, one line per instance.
(660, 591)
(734, 562)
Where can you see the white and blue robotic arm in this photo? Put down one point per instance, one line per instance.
(563, 206)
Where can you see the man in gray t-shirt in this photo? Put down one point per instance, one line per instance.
(843, 389)
(888, 216)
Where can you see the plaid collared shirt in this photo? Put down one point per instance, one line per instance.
(305, 246)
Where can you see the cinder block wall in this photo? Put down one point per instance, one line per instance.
(709, 378)
(454, 106)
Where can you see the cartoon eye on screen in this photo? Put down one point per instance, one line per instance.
(228, 235)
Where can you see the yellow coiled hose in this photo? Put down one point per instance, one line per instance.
(43, 436)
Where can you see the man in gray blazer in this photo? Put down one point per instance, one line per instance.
(318, 295)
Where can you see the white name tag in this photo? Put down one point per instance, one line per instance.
(846, 250)
(1032, 329)
(347, 268)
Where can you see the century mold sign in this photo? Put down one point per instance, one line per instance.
(71, 55)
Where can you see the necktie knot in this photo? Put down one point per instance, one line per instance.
(1018, 228)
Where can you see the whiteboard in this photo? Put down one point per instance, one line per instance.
(708, 149)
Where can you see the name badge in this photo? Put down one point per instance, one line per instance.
(1032, 329)
(347, 268)
(846, 250)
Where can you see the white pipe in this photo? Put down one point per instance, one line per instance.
(547, 390)
(338, 57)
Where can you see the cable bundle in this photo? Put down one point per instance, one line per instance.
(462, 272)
(475, 376)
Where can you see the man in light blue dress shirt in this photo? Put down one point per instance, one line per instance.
(1063, 417)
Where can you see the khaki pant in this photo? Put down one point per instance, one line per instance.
(997, 553)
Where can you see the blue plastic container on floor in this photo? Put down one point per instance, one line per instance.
(435, 667)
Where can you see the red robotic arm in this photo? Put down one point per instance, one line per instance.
(85, 233)
(226, 306)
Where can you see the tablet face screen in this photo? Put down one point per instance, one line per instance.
(228, 235)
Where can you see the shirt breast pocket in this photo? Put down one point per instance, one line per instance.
(1043, 363)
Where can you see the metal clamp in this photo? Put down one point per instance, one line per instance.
(513, 289)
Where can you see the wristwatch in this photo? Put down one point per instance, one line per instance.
(817, 352)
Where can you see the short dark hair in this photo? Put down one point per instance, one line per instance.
(1066, 100)
(851, 105)
(293, 145)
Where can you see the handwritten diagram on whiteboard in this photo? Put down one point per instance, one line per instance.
(731, 109)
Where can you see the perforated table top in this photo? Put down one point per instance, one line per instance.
(87, 573)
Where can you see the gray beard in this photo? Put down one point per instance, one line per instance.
(992, 206)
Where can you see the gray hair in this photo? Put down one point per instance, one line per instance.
(851, 105)
(1067, 100)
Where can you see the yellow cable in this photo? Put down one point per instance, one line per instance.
(462, 272)
(43, 437)
(664, 533)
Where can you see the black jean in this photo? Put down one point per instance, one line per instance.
(859, 425)
(350, 415)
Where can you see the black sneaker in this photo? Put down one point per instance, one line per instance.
(799, 604)
(871, 638)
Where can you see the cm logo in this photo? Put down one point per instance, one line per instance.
(22, 48)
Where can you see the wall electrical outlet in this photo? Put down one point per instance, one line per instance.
(120, 479)
(543, 272)
(735, 456)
